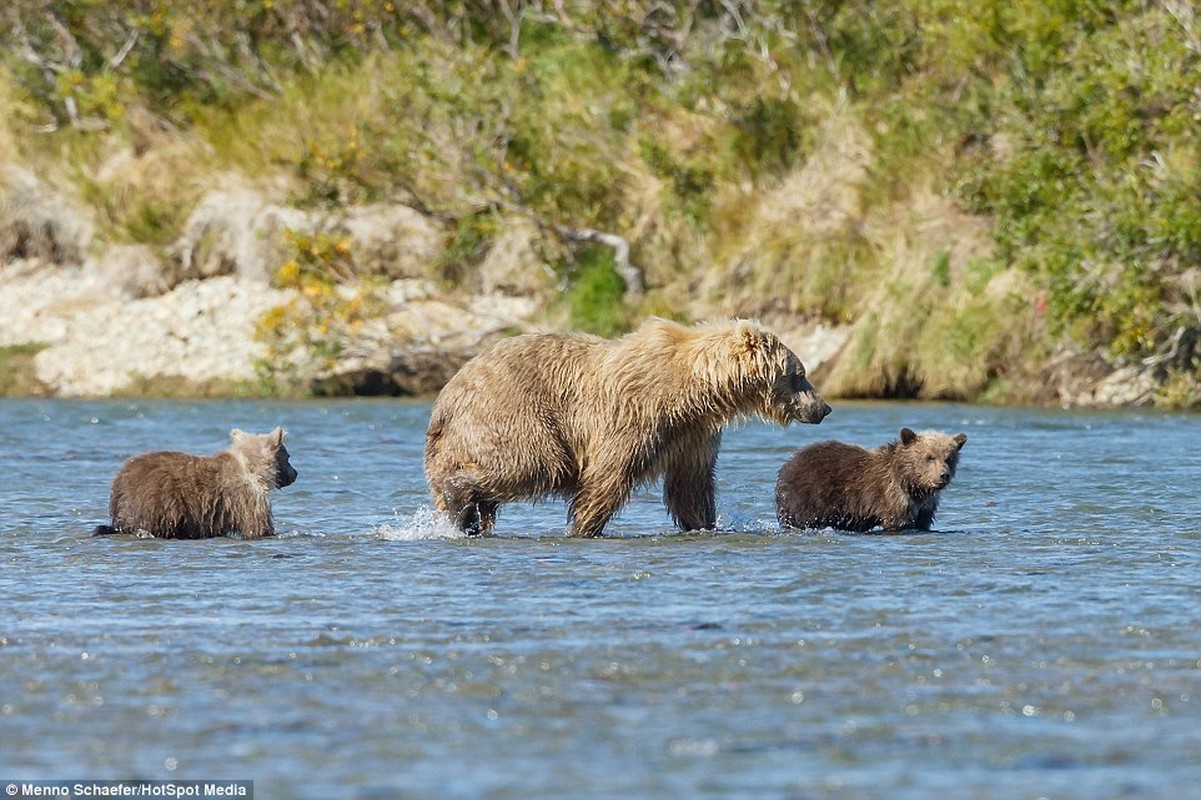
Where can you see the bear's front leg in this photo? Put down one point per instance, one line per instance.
(253, 519)
(690, 499)
(591, 511)
(897, 523)
(925, 515)
(688, 475)
(602, 491)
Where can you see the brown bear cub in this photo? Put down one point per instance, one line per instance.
(895, 486)
(589, 419)
(169, 495)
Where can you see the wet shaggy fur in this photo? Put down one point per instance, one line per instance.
(896, 486)
(171, 495)
(589, 419)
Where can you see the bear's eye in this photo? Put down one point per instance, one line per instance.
(929, 459)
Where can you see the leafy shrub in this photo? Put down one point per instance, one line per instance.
(594, 297)
(306, 335)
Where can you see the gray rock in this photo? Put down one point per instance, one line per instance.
(37, 223)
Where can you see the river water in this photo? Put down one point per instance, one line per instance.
(1043, 641)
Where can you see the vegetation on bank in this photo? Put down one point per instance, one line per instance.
(17, 376)
(974, 186)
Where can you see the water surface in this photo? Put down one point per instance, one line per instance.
(1043, 641)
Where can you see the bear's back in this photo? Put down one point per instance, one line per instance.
(533, 355)
(176, 495)
(837, 485)
(814, 486)
(523, 389)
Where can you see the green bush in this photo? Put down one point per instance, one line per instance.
(594, 297)
(18, 377)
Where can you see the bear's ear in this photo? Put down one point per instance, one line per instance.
(748, 337)
(908, 436)
(236, 435)
(960, 440)
(276, 437)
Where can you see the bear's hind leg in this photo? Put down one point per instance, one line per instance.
(464, 500)
(485, 511)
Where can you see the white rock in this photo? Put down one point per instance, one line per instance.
(200, 331)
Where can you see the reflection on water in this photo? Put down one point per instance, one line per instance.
(1044, 641)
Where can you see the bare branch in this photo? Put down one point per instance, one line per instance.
(73, 52)
(25, 48)
(512, 48)
(125, 50)
(563, 16)
(72, 110)
(621, 253)
(1185, 17)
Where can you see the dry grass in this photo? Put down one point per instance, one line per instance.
(938, 323)
(8, 145)
(798, 246)
(144, 189)
(907, 269)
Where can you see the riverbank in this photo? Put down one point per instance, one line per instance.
(357, 199)
(256, 298)
(79, 331)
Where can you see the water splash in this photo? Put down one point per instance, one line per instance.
(737, 521)
(424, 523)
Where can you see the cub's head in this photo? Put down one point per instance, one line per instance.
(927, 460)
(782, 393)
(265, 456)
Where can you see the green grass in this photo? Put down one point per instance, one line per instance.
(594, 297)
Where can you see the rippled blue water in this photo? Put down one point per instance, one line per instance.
(1045, 641)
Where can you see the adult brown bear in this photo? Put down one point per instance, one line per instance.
(589, 419)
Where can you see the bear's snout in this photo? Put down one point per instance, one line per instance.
(814, 411)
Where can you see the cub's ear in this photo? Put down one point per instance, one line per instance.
(960, 440)
(907, 436)
(236, 435)
(276, 437)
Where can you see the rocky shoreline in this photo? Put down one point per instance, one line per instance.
(200, 336)
(199, 339)
(113, 319)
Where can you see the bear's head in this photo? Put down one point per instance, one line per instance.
(265, 456)
(774, 376)
(926, 461)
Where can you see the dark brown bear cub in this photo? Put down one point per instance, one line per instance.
(895, 486)
(170, 495)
